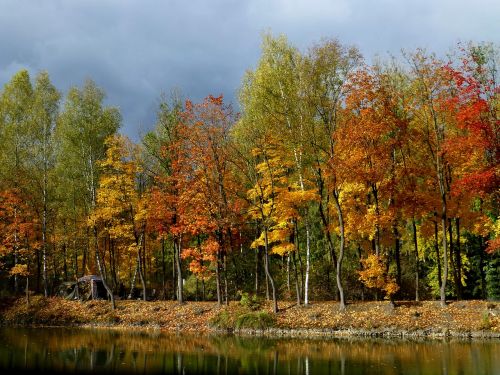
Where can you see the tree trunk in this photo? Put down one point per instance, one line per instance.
(481, 268)
(226, 293)
(340, 258)
(27, 291)
(397, 255)
(163, 270)
(445, 253)
(132, 283)
(458, 259)
(377, 226)
(44, 252)
(174, 265)
(417, 261)
(452, 256)
(257, 270)
(16, 278)
(308, 261)
(65, 262)
(140, 266)
(301, 265)
(180, 298)
(217, 278)
(297, 289)
(288, 274)
(268, 273)
(101, 272)
(268, 294)
(436, 249)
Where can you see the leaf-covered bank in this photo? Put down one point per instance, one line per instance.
(408, 319)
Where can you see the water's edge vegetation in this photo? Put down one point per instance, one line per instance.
(461, 319)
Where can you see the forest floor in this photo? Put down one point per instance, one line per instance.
(406, 319)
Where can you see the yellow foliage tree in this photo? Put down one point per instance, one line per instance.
(120, 212)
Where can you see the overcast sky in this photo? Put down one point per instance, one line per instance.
(135, 50)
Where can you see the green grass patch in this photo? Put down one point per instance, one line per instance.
(255, 320)
(242, 318)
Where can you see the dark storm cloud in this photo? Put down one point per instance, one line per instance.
(137, 49)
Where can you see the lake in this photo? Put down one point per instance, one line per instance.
(80, 350)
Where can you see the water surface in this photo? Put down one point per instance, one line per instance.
(70, 350)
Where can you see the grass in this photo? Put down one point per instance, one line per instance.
(257, 320)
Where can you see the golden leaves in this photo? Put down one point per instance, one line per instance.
(20, 270)
(374, 275)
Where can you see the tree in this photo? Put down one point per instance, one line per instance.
(208, 200)
(42, 153)
(163, 145)
(15, 120)
(430, 85)
(273, 95)
(326, 71)
(120, 212)
(82, 129)
(17, 234)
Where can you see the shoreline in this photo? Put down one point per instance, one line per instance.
(467, 320)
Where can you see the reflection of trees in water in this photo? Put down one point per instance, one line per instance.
(118, 351)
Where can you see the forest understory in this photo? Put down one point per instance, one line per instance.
(410, 319)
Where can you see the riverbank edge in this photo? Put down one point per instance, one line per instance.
(198, 318)
(276, 333)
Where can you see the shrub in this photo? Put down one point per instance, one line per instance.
(222, 320)
(255, 320)
(485, 321)
(252, 302)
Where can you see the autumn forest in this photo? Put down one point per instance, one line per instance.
(335, 179)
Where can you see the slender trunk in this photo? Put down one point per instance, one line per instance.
(417, 265)
(341, 251)
(301, 265)
(297, 289)
(328, 236)
(44, 245)
(38, 270)
(86, 250)
(458, 259)
(112, 261)
(180, 298)
(163, 270)
(27, 292)
(397, 255)
(16, 279)
(377, 226)
(140, 266)
(268, 294)
(481, 269)
(308, 261)
(436, 249)
(268, 273)
(452, 256)
(257, 270)
(174, 275)
(445, 254)
(360, 263)
(226, 293)
(218, 269)
(132, 283)
(217, 278)
(288, 273)
(75, 256)
(65, 263)
(101, 272)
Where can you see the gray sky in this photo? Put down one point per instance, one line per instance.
(135, 50)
